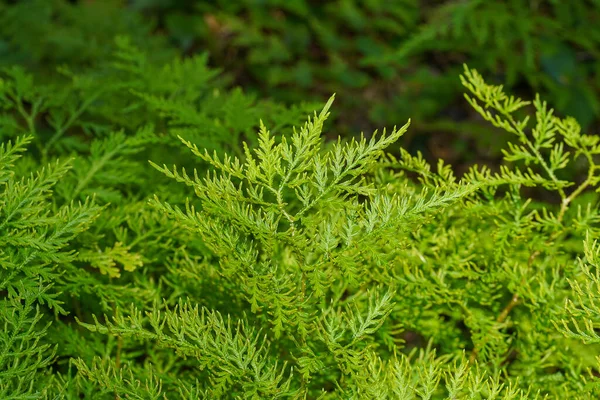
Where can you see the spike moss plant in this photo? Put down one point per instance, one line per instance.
(296, 267)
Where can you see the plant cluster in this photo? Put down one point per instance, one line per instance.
(164, 235)
(289, 268)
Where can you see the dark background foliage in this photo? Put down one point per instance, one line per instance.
(387, 60)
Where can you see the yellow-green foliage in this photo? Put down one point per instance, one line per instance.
(291, 267)
(166, 236)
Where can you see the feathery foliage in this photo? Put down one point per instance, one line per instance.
(336, 262)
(288, 266)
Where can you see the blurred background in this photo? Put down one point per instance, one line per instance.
(387, 60)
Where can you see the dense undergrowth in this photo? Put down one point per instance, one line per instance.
(399, 58)
(165, 235)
